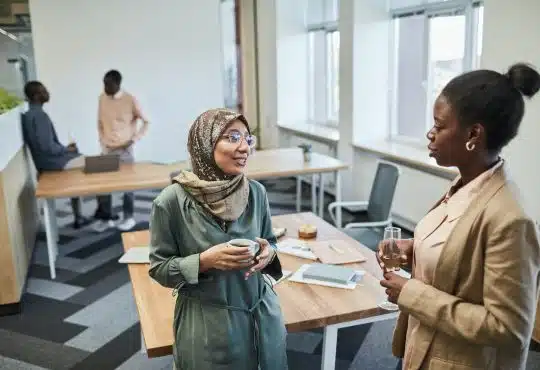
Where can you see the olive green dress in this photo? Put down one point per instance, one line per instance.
(221, 320)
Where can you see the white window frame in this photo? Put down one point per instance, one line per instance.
(322, 109)
(470, 57)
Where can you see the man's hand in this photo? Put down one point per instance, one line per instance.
(72, 147)
(121, 146)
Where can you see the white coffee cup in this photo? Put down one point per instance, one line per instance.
(252, 245)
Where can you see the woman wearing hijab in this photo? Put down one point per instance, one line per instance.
(227, 316)
(475, 257)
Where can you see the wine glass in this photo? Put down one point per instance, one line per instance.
(391, 258)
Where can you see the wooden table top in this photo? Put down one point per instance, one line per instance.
(304, 306)
(138, 176)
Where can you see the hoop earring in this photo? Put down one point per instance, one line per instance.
(469, 146)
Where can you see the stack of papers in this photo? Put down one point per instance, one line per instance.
(296, 248)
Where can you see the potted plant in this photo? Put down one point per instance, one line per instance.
(306, 149)
(10, 126)
(8, 101)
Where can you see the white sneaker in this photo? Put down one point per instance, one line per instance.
(100, 225)
(127, 224)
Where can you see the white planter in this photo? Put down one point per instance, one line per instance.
(11, 139)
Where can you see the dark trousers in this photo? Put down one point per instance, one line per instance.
(76, 207)
(104, 211)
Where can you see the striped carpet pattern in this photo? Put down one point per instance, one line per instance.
(87, 319)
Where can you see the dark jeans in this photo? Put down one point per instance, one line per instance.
(104, 211)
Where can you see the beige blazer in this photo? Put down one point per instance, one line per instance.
(479, 313)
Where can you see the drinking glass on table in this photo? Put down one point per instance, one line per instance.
(391, 258)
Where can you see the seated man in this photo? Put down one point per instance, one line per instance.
(40, 136)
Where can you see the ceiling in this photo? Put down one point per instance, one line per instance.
(15, 16)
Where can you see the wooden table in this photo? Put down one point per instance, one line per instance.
(263, 164)
(304, 306)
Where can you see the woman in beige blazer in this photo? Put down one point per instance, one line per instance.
(471, 300)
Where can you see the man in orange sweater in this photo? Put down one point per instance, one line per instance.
(118, 117)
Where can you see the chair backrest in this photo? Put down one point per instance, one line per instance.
(382, 191)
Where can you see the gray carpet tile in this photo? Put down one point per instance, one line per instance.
(43, 272)
(305, 342)
(140, 361)
(87, 319)
(7, 363)
(36, 351)
(100, 288)
(51, 289)
(104, 328)
(378, 339)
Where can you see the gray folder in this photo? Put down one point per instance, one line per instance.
(329, 273)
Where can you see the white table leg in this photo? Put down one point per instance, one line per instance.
(321, 195)
(51, 234)
(143, 345)
(338, 199)
(329, 348)
(298, 193)
(314, 193)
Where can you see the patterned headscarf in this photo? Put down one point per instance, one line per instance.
(224, 196)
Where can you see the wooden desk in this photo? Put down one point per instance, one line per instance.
(536, 329)
(263, 164)
(304, 306)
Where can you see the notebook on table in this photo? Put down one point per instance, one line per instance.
(321, 278)
(329, 273)
(136, 255)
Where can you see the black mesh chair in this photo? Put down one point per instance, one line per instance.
(376, 213)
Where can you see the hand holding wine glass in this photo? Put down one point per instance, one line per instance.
(405, 247)
(390, 258)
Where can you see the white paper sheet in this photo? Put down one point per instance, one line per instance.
(296, 248)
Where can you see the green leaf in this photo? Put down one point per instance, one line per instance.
(8, 101)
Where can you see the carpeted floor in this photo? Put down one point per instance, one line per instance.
(87, 319)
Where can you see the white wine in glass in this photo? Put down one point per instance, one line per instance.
(391, 258)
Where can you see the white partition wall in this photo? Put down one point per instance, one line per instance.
(511, 35)
(169, 54)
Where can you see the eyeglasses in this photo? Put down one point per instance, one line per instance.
(235, 137)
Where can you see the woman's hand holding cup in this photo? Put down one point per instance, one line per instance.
(226, 257)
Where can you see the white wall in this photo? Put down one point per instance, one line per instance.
(511, 35)
(170, 56)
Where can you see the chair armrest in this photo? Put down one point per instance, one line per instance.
(357, 225)
(360, 204)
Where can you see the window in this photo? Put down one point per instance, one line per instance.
(231, 54)
(332, 73)
(323, 59)
(432, 43)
